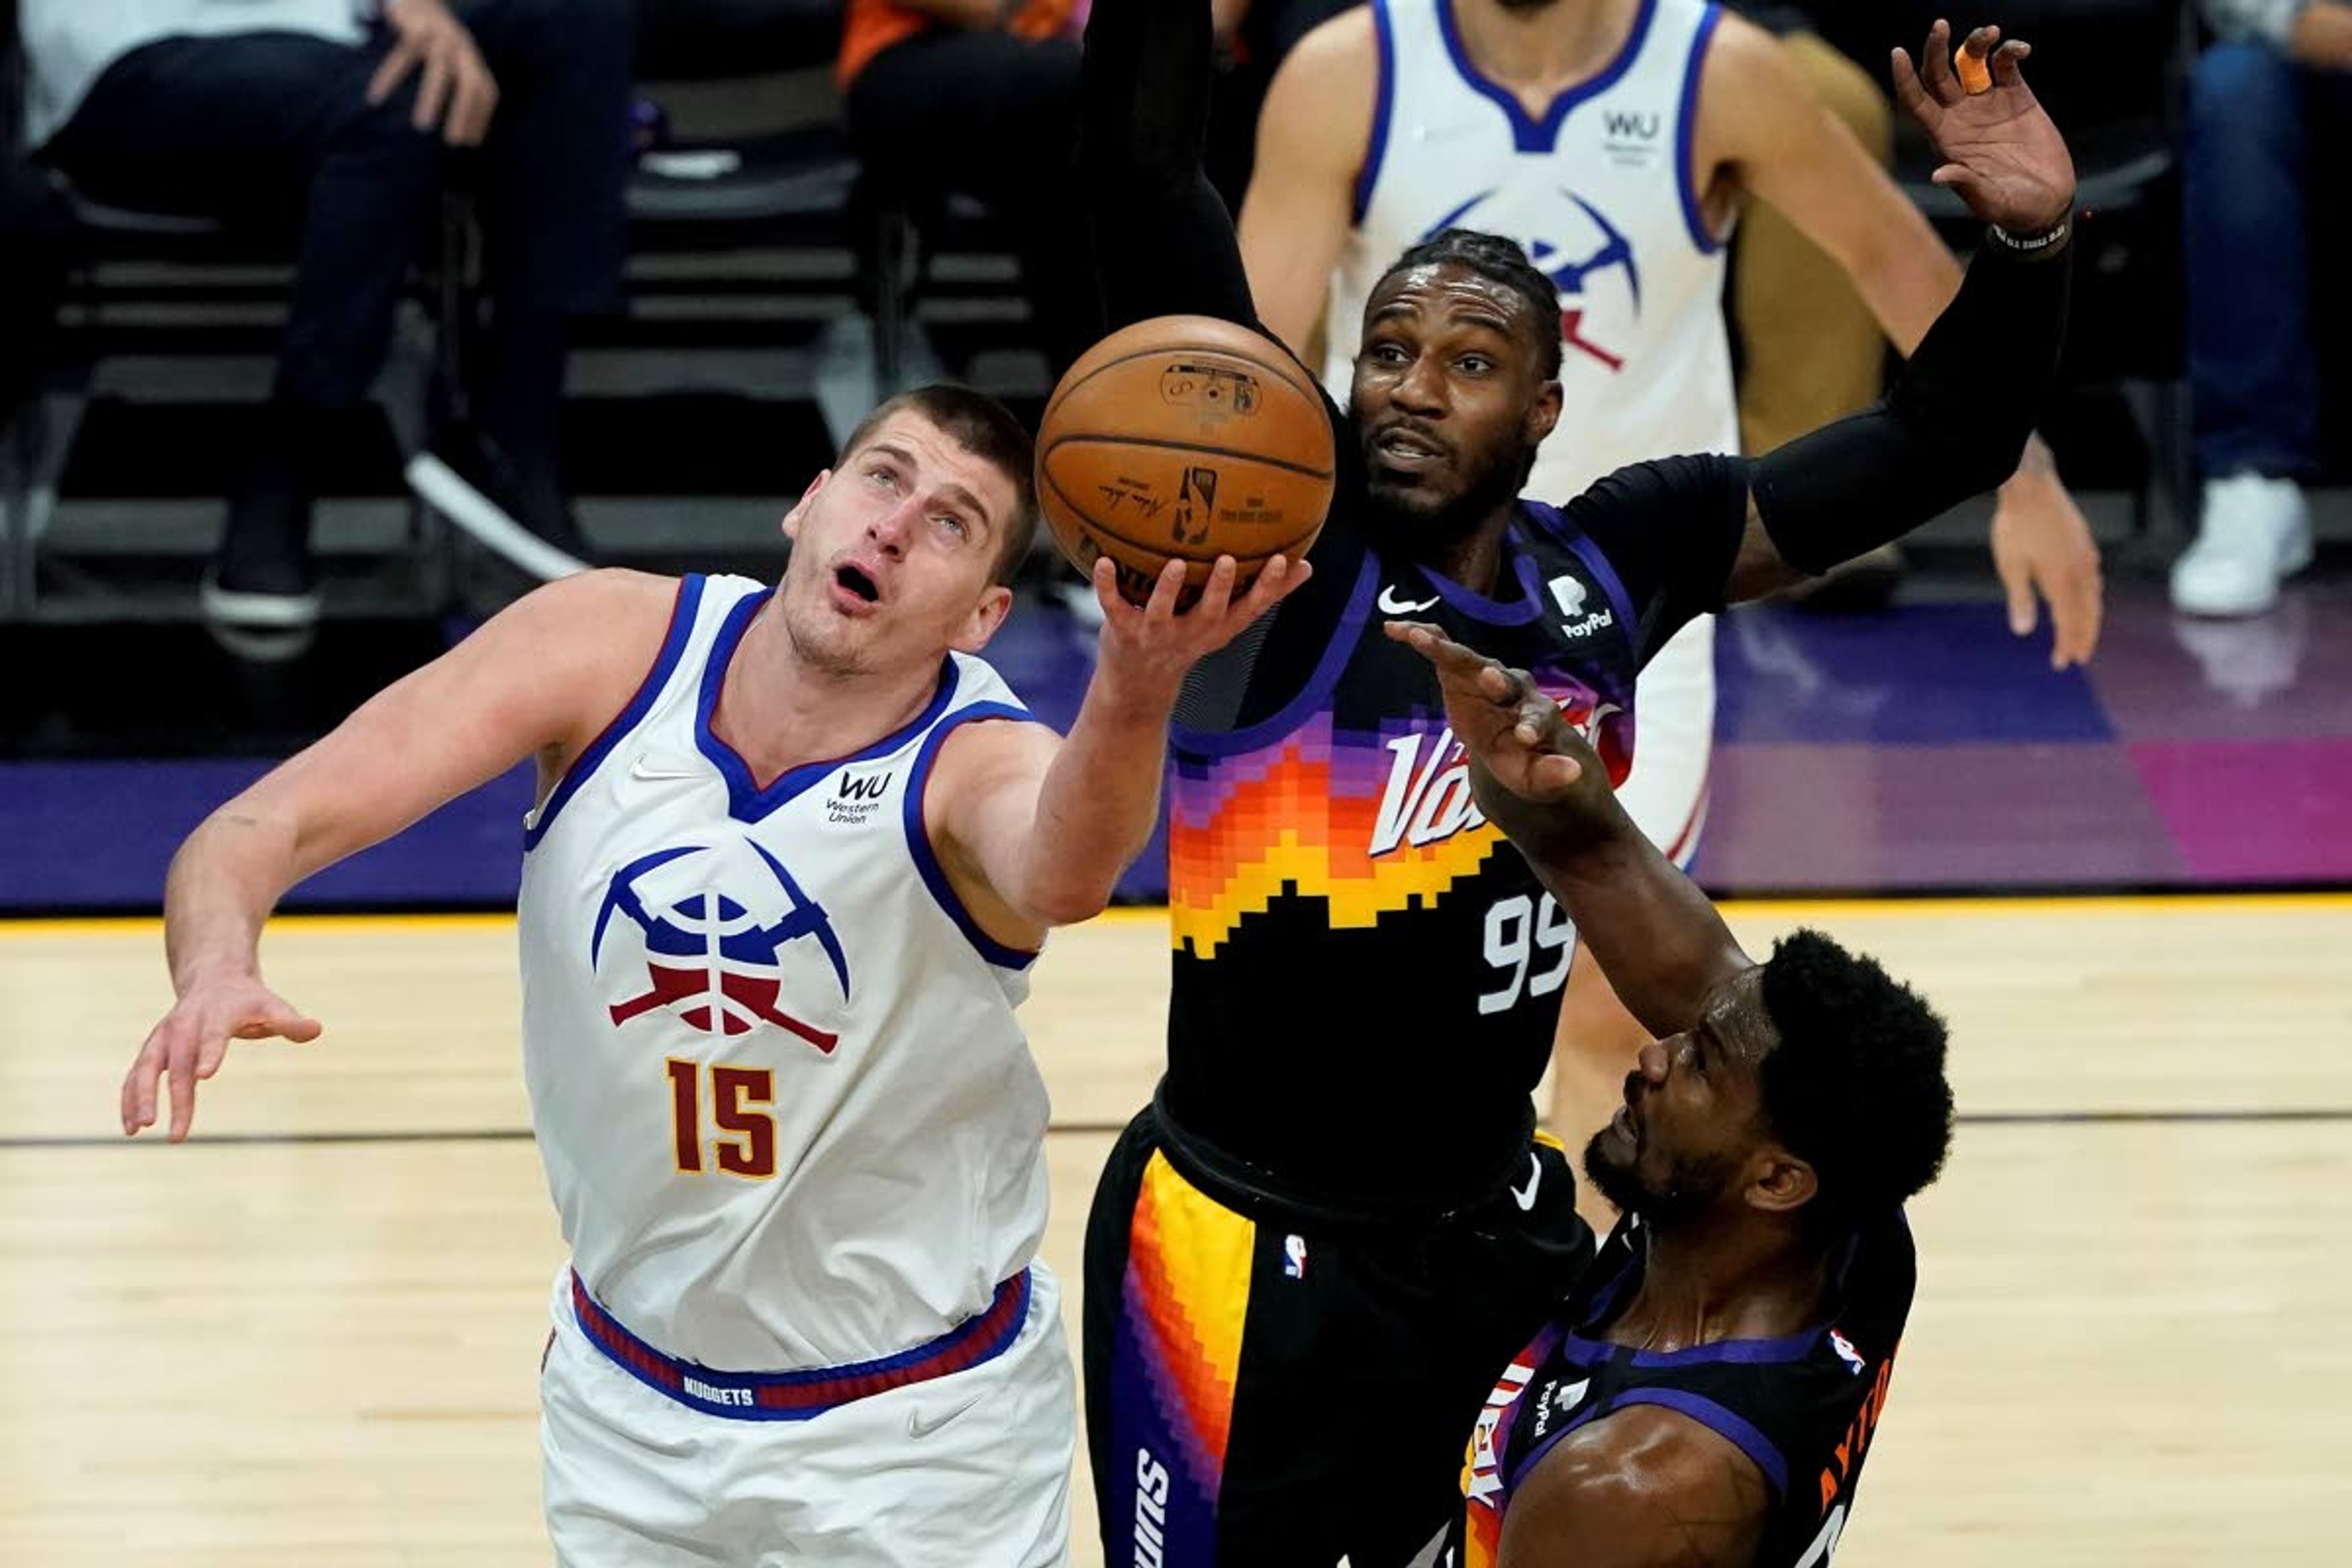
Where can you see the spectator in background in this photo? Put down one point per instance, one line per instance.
(1617, 142)
(2264, 100)
(304, 109)
(32, 275)
(978, 98)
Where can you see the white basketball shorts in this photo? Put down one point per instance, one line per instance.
(1673, 742)
(967, 1469)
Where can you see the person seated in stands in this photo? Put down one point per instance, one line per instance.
(336, 117)
(2265, 100)
(978, 98)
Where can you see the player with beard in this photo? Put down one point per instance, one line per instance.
(1308, 1256)
(1622, 141)
(1708, 1392)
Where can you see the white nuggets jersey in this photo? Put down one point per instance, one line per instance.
(787, 1115)
(1599, 191)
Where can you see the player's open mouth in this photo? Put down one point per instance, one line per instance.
(1621, 1124)
(1407, 451)
(853, 581)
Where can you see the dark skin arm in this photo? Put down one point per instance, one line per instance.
(1646, 1488)
(1648, 926)
(2003, 156)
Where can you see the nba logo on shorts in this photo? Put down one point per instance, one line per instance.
(715, 959)
(1845, 1352)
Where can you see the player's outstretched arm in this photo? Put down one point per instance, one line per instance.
(1958, 418)
(541, 677)
(1653, 934)
(1793, 154)
(1038, 831)
(1163, 243)
(1646, 1488)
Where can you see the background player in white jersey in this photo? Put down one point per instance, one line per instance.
(780, 893)
(1616, 140)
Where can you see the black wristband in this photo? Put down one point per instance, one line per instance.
(2041, 244)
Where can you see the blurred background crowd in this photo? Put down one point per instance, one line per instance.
(329, 326)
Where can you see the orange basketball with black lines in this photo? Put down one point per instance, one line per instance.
(1184, 438)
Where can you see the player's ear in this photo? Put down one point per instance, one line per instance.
(792, 518)
(986, 615)
(1781, 1183)
(1543, 412)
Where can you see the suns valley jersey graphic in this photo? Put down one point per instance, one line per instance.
(1803, 1408)
(1351, 936)
(1599, 192)
(787, 1115)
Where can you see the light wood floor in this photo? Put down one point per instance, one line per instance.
(2129, 1345)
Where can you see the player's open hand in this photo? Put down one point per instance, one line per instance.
(1999, 151)
(194, 1037)
(1147, 650)
(1509, 728)
(2040, 544)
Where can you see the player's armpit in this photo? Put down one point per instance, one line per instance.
(981, 810)
(1644, 1487)
(545, 675)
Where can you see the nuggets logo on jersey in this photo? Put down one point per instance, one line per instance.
(1590, 260)
(712, 958)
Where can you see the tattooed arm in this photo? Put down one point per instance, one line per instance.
(1646, 1488)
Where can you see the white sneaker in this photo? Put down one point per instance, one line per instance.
(2256, 531)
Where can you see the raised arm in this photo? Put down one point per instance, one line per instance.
(1759, 116)
(1311, 137)
(1957, 417)
(1648, 926)
(541, 678)
(1035, 831)
(1163, 242)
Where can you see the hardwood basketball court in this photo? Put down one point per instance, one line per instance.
(310, 1336)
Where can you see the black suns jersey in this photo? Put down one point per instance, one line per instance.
(1367, 976)
(1803, 1408)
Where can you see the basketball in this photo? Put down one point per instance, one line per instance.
(1184, 438)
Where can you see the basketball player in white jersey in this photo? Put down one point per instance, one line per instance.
(794, 852)
(1616, 140)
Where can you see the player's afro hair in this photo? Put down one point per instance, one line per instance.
(1856, 1087)
(1501, 260)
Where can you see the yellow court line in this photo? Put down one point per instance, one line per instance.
(148, 926)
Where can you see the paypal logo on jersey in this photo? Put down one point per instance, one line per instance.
(714, 957)
(1576, 246)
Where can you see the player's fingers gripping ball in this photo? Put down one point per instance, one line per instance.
(1184, 438)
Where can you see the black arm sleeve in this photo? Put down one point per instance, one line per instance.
(1954, 424)
(1163, 242)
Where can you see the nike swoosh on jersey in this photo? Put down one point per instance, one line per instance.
(1393, 605)
(638, 770)
(1526, 1196)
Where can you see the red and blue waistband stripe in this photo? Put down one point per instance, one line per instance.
(812, 1391)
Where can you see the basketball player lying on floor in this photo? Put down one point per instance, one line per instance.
(1308, 1256)
(1708, 1392)
(793, 851)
